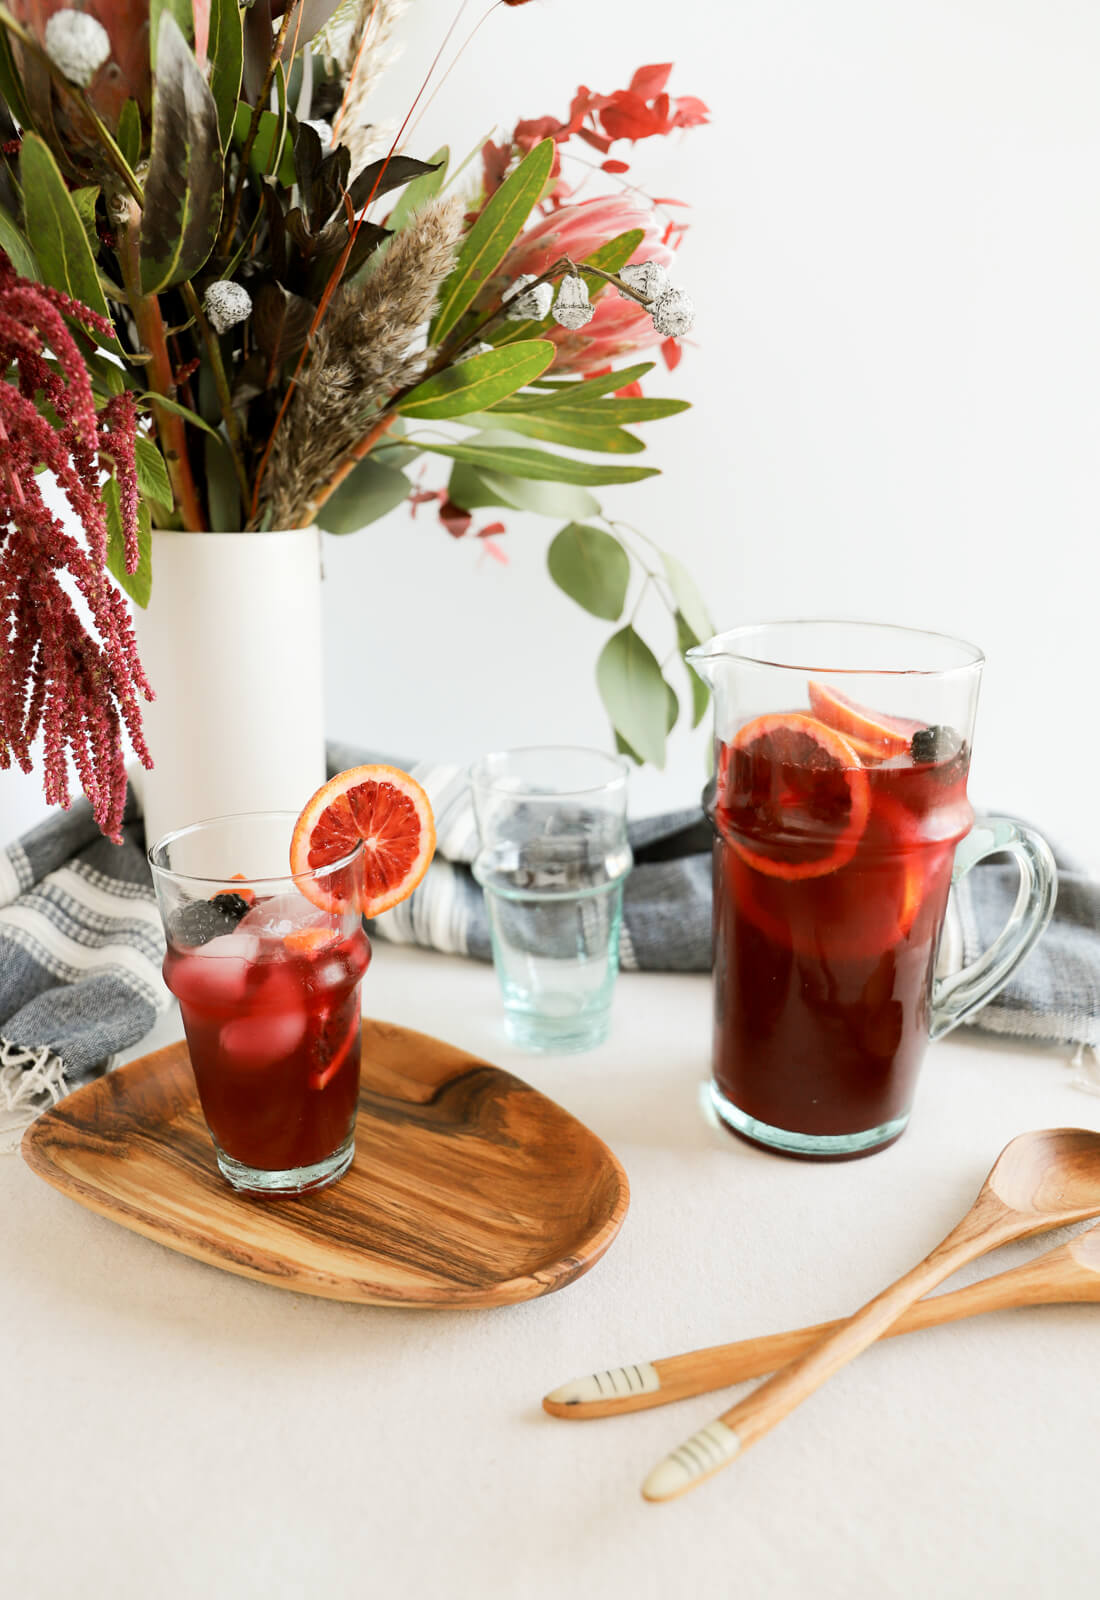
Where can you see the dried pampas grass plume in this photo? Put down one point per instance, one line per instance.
(358, 43)
(364, 352)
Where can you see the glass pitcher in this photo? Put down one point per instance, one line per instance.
(841, 820)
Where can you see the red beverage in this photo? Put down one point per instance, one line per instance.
(832, 865)
(272, 1021)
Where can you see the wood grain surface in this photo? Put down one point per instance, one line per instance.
(468, 1188)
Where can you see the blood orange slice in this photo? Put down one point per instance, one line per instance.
(871, 733)
(390, 813)
(793, 797)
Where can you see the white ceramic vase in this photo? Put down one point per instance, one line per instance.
(231, 644)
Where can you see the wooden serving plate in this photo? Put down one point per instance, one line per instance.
(468, 1188)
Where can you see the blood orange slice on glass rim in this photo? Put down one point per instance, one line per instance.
(389, 814)
(793, 796)
(871, 733)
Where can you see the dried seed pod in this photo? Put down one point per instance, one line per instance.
(525, 304)
(649, 278)
(226, 303)
(77, 44)
(571, 309)
(673, 313)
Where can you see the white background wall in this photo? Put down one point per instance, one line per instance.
(895, 251)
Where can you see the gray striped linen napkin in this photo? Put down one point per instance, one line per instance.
(81, 942)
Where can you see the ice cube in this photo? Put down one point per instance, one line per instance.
(215, 974)
(261, 1041)
(283, 914)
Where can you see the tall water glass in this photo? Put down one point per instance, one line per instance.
(266, 966)
(553, 859)
(841, 820)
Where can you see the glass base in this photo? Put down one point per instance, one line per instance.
(292, 1180)
(810, 1146)
(557, 1035)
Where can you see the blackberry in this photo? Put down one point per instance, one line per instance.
(203, 920)
(937, 743)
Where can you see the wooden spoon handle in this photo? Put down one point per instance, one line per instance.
(715, 1445)
(638, 1386)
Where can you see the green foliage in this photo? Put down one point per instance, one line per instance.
(479, 382)
(690, 602)
(609, 257)
(223, 492)
(226, 60)
(565, 428)
(138, 585)
(367, 493)
(634, 694)
(152, 474)
(55, 231)
(416, 194)
(592, 568)
(183, 192)
(12, 240)
(700, 693)
(488, 241)
(128, 136)
(519, 463)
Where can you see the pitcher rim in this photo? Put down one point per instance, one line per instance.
(717, 646)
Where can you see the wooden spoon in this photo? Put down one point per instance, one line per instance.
(1069, 1272)
(1039, 1181)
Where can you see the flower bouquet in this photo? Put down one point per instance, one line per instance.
(229, 303)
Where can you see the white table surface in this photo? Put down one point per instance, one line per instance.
(170, 1430)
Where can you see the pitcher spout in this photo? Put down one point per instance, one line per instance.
(703, 658)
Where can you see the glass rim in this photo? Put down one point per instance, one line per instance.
(249, 883)
(723, 641)
(618, 763)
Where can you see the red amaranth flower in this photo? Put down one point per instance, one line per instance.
(77, 682)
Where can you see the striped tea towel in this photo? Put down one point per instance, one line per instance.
(81, 943)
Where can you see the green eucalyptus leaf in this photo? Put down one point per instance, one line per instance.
(367, 493)
(688, 599)
(471, 490)
(152, 474)
(479, 382)
(226, 59)
(673, 713)
(22, 256)
(700, 693)
(566, 430)
(634, 694)
(138, 585)
(488, 241)
(416, 194)
(592, 568)
(128, 136)
(544, 498)
(272, 151)
(183, 192)
(539, 464)
(223, 492)
(56, 233)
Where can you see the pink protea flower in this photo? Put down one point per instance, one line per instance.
(619, 326)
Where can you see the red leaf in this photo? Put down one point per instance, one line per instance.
(615, 166)
(633, 391)
(531, 132)
(597, 140)
(672, 354)
(423, 497)
(689, 112)
(626, 116)
(454, 519)
(666, 200)
(649, 81)
(495, 551)
(490, 529)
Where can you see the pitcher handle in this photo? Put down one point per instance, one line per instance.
(957, 997)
